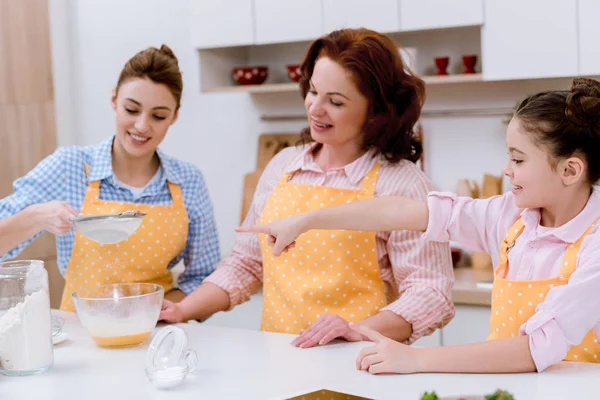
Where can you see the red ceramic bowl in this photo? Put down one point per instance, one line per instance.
(250, 75)
(456, 256)
(293, 71)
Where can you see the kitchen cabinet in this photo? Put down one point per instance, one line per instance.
(434, 14)
(287, 21)
(379, 15)
(221, 23)
(471, 324)
(529, 39)
(589, 31)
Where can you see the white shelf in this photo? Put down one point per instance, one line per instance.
(294, 87)
(264, 88)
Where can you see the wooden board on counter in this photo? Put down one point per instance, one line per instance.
(269, 144)
(466, 291)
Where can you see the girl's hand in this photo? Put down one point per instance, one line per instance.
(387, 355)
(282, 233)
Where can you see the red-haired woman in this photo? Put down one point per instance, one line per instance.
(362, 103)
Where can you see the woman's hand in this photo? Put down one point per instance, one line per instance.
(282, 233)
(55, 216)
(327, 328)
(171, 312)
(387, 355)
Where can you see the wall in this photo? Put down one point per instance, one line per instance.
(218, 132)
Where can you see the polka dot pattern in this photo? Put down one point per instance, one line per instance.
(514, 302)
(143, 257)
(328, 272)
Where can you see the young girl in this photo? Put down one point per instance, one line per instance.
(543, 237)
(125, 172)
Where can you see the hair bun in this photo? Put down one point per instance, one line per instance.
(166, 50)
(583, 102)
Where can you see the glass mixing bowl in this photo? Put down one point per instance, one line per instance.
(121, 314)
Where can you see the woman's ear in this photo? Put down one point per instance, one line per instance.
(113, 99)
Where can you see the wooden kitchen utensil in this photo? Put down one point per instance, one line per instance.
(492, 186)
(269, 144)
(250, 183)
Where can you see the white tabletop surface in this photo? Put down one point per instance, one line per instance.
(246, 364)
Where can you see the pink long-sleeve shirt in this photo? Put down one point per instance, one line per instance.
(418, 271)
(569, 312)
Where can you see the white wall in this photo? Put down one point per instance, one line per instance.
(218, 132)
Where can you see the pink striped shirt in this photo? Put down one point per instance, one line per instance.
(569, 312)
(420, 271)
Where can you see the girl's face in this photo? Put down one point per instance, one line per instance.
(145, 110)
(537, 181)
(336, 108)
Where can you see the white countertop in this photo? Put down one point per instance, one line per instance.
(246, 364)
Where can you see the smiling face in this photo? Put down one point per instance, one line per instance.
(536, 182)
(336, 108)
(144, 112)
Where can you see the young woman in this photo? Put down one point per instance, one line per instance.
(362, 104)
(125, 172)
(543, 237)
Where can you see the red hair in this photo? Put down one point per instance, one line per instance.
(395, 95)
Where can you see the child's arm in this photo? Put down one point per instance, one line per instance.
(494, 356)
(381, 214)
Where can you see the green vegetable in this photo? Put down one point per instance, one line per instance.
(500, 395)
(430, 396)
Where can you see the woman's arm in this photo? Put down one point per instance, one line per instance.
(238, 275)
(21, 228)
(35, 206)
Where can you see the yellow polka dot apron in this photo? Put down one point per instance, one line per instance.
(143, 257)
(515, 301)
(328, 272)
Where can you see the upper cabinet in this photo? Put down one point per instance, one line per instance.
(287, 21)
(433, 14)
(379, 15)
(589, 32)
(530, 39)
(221, 23)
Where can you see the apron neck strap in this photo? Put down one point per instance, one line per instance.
(570, 259)
(507, 243)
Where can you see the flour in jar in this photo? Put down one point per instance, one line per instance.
(26, 335)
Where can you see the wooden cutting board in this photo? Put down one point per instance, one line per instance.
(269, 144)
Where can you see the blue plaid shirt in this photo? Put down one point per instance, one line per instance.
(61, 176)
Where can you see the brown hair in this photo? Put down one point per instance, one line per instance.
(395, 95)
(567, 122)
(158, 65)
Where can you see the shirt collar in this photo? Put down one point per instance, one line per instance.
(572, 230)
(101, 166)
(355, 171)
